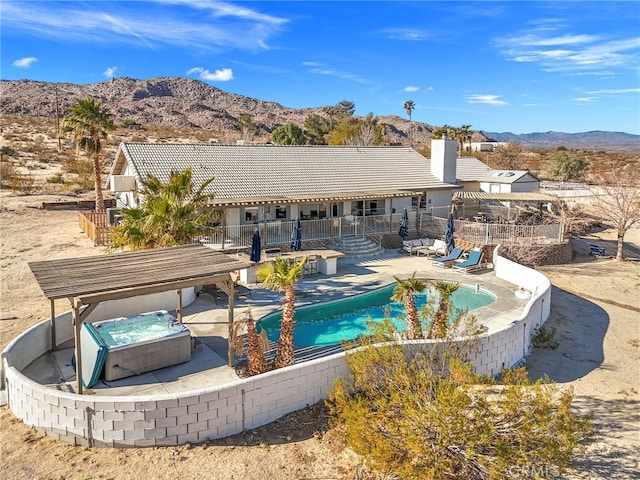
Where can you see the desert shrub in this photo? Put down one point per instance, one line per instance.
(23, 183)
(57, 177)
(7, 151)
(545, 338)
(82, 169)
(429, 416)
(7, 170)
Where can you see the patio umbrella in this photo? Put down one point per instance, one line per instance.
(296, 235)
(404, 225)
(255, 247)
(448, 234)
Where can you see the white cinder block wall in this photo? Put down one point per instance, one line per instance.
(197, 416)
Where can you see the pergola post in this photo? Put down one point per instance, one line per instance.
(77, 325)
(52, 312)
(179, 309)
(230, 296)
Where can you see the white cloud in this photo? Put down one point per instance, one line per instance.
(614, 91)
(202, 24)
(110, 72)
(320, 69)
(488, 99)
(584, 99)
(25, 62)
(411, 89)
(220, 75)
(572, 53)
(406, 34)
(553, 41)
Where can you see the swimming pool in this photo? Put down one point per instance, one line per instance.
(329, 323)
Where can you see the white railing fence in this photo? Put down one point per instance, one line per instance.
(374, 226)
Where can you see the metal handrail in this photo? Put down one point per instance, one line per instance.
(373, 235)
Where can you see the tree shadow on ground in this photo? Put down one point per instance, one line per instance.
(614, 452)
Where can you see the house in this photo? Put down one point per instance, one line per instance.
(269, 183)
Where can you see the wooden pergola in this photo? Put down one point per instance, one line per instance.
(88, 281)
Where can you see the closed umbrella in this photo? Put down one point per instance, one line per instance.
(296, 235)
(404, 225)
(448, 234)
(255, 247)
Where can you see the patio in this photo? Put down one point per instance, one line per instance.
(208, 323)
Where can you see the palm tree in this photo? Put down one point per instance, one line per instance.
(282, 276)
(257, 344)
(405, 292)
(409, 106)
(90, 123)
(440, 322)
(170, 214)
(463, 134)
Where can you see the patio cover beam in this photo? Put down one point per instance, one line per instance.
(337, 197)
(505, 197)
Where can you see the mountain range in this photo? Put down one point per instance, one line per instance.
(183, 102)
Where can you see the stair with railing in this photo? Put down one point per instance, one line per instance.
(358, 246)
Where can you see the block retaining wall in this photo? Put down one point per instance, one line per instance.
(197, 416)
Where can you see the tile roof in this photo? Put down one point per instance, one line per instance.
(246, 172)
(469, 169)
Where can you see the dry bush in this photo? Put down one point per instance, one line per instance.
(424, 417)
(23, 183)
(7, 170)
(82, 169)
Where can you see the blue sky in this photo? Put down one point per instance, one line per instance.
(498, 66)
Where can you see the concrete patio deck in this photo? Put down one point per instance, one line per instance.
(208, 324)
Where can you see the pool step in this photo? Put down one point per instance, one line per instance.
(358, 247)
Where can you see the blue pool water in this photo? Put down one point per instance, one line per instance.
(330, 322)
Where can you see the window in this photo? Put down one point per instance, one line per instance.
(251, 214)
(281, 212)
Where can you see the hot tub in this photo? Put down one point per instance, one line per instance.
(128, 346)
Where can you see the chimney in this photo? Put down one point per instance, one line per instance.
(443, 159)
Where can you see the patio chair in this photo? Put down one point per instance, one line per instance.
(438, 248)
(412, 246)
(449, 260)
(471, 264)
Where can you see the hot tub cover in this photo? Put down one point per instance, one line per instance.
(94, 354)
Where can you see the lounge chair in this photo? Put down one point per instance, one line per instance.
(473, 263)
(449, 260)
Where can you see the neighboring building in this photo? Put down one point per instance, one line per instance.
(509, 181)
(483, 146)
(262, 183)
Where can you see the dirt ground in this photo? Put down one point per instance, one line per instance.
(595, 310)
